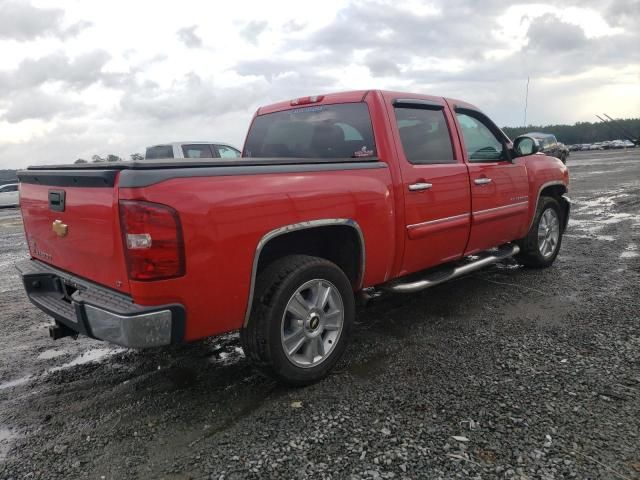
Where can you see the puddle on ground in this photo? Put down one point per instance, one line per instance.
(49, 354)
(630, 252)
(15, 383)
(95, 355)
(6, 437)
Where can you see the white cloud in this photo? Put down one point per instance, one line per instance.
(80, 78)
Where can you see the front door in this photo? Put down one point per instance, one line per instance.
(435, 183)
(499, 187)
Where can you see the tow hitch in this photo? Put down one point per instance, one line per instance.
(58, 330)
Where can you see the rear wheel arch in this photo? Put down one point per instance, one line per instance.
(339, 241)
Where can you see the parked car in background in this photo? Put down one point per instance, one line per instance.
(550, 145)
(191, 150)
(9, 195)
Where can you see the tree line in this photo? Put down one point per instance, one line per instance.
(109, 158)
(583, 132)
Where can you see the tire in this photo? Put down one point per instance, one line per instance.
(534, 252)
(286, 315)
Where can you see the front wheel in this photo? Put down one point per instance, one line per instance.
(302, 313)
(540, 247)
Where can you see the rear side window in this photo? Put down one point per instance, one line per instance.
(159, 151)
(197, 151)
(425, 135)
(225, 151)
(324, 131)
(9, 188)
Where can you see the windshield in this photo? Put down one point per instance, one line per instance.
(324, 131)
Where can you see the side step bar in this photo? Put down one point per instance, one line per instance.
(435, 278)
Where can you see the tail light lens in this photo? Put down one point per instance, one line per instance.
(152, 237)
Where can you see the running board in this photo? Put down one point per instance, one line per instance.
(435, 278)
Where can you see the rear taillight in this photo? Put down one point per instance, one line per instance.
(152, 237)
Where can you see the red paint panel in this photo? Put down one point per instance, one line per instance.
(92, 248)
(224, 218)
(438, 226)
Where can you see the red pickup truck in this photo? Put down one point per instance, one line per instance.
(334, 196)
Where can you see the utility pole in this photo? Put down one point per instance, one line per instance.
(526, 103)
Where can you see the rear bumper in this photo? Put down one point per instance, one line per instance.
(99, 312)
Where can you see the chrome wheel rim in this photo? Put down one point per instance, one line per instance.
(548, 232)
(312, 323)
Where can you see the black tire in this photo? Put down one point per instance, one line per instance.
(530, 255)
(261, 338)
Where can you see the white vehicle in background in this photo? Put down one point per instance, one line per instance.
(191, 150)
(9, 195)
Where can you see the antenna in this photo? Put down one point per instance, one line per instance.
(526, 103)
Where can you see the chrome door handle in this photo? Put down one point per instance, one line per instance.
(416, 187)
(482, 181)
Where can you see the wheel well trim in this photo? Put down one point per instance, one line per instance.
(542, 187)
(294, 227)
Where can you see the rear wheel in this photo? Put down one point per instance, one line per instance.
(300, 320)
(540, 247)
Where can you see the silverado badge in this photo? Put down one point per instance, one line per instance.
(59, 228)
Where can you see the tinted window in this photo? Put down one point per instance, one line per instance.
(324, 131)
(481, 143)
(225, 151)
(425, 135)
(159, 151)
(197, 151)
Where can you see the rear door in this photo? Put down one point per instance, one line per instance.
(435, 183)
(499, 187)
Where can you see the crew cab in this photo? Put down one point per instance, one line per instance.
(336, 197)
(191, 150)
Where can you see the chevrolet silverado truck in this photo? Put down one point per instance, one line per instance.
(335, 197)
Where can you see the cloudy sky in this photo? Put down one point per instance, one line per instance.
(79, 78)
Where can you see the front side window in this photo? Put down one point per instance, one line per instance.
(324, 131)
(197, 151)
(227, 152)
(425, 135)
(481, 143)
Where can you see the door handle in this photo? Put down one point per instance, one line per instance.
(416, 187)
(482, 181)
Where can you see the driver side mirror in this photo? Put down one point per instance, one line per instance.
(524, 145)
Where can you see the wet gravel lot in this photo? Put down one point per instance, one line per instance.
(507, 373)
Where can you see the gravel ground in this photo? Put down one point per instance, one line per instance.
(507, 373)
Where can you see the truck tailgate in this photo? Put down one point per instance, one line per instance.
(72, 223)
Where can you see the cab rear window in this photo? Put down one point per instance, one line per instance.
(323, 131)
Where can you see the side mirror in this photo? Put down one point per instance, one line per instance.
(526, 146)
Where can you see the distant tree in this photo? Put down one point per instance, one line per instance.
(136, 156)
(113, 158)
(97, 159)
(582, 132)
(81, 160)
